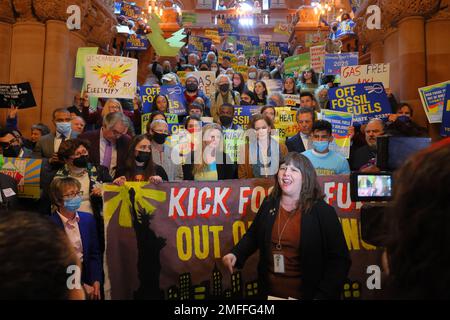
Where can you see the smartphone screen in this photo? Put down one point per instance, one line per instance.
(374, 186)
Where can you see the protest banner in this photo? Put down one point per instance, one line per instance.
(213, 35)
(340, 122)
(335, 61)
(317, 56)
(296, 63)
(274, 49)
(285, 122)
(314, 39)
(246, 42)
(81, 56)
(188, 18)
(148, 94)
(172, 121)
(137, 42)
(432, 98)
(131, 11)
(233, 58)
(282, 28)
(172, 247)
(27, 173)
(242, 114)
(366, 73)
(19, 95)
(445, 126)
(291, 100)
(252, 51)
(344, 28)
(365, 101)
(199, 44)
(111, 76)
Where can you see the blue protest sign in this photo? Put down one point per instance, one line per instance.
(445, 127)
(365, 101)
(334, 62)
(177, 102)
(344, 28)
(148, 94)
(130, 11)
(199, 44)
(137, 42)
(274, 49)
(243, 42)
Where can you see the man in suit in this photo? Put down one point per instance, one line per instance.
(48, 145)
(109, 145)
(302, 140)
(81, 231)
(11, 143)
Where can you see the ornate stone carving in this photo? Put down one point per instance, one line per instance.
(394, 11)
(50, 10)
(6, 11)
(23, 9)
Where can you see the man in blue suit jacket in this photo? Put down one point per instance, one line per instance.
(79, 227)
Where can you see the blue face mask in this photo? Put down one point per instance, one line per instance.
(73, 204)
(64, 128)
(320, 146)
(74, 134)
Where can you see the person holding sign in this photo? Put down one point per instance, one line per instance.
(324, 160)
(262, 150)
(401, 124)
(224, 94)
(302, 140)
(302, 249)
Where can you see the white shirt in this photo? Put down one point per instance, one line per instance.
(73, 233)
(103, 142)
(57, 142)
(306, 141)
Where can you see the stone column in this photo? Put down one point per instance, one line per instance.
(56, 71)
(390, 53)
(376, 52)
(27, 60)
(73, 84)
(5, 52)
(412, 60)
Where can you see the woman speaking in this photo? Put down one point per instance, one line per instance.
(302, 249)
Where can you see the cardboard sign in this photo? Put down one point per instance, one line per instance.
(137, 42)
(366, 73)
(206, 81)
(433, 101)
(334, 62)
(317, 56)
(111, 76)
(19, 95)
(365, 101)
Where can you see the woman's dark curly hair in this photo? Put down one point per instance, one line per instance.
(419, 226)
(68, 148)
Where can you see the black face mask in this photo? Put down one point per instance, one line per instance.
(245, 103)
(191, 87)
(203, 69)
(224, 87)
(81, 162)
(143, 156)
(12, 151)
(226, 120)
(159, 138)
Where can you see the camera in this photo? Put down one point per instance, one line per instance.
(368, 187)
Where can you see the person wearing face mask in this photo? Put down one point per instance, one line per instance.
(47, 146)
(247, 98)
(214, 67)
(204, 66)
(263, 153)
(161, 148)
(81, 230)
(139, 165)
(224, 95)
(324, 160)
(402, 125)
(78, 125)
(262, 62)
(192, 91)
(12, 146)
(74, 154)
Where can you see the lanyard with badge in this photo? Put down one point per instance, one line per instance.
(278, 258)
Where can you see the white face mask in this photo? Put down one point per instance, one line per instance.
(214, 69)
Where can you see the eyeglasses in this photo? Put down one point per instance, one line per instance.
(72, 195)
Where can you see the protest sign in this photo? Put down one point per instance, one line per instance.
(291, 100)
(252, 51)
(137, 42)
(111, 76)
(19, 95)
(233, 58)
(317, 56)
(242, 114)
(246, 42)
(172, 121)
(340, 122)
(366, 73)
(344, 28)
(188, 18)
(445, 127)
(213, 35)
(172, 248)
(314, 39)
(148, 94)
(274, 49)
(199, 44)
(285, 122)
(432, 98)
(282, 28)
(81, 55)
(335, 61)
(205, 81)
(364, 101)
(296, 63)
(131, 11)
(27, 173)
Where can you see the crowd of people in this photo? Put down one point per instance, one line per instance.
(92, 146)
